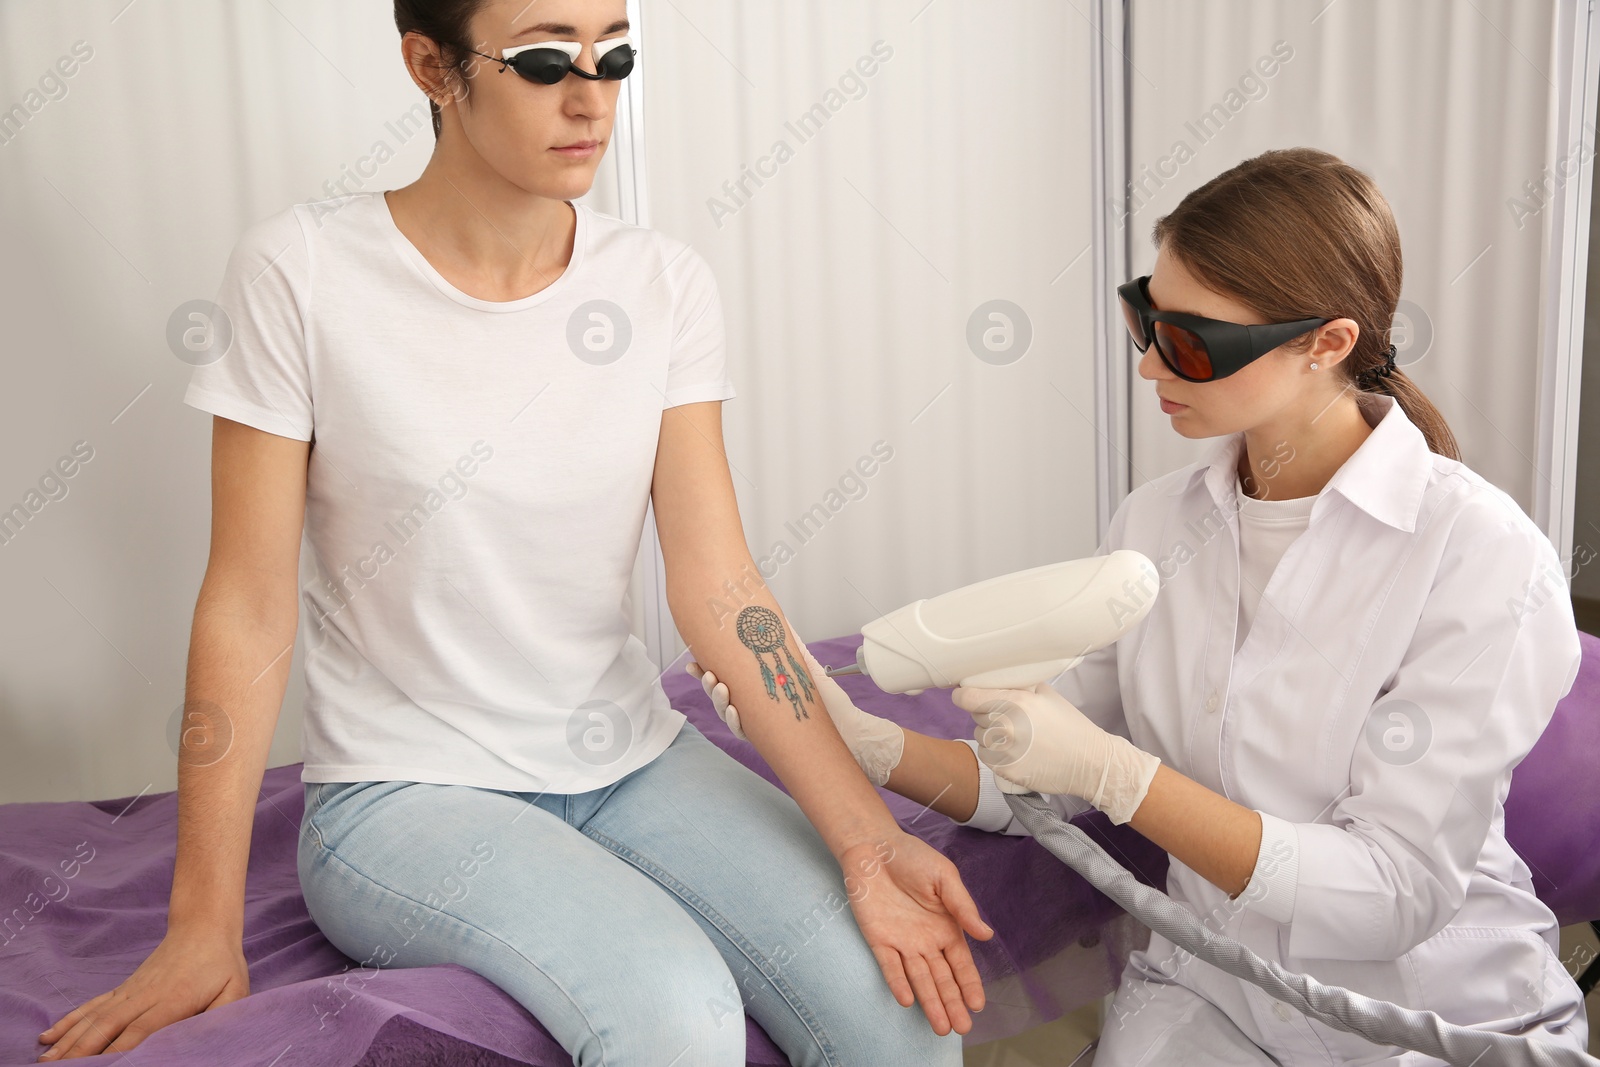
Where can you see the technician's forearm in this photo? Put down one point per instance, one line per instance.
(790, 727)
(940, 774)
(1217, 838)
(238, 669)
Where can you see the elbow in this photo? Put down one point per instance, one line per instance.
(702, 602)
(1420, 911)
(264, 606)
(1375, 915)
(1424, 893)
(697, 609)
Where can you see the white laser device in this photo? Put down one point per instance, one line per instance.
(1008, 632)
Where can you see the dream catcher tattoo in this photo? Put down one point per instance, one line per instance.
(762, 632)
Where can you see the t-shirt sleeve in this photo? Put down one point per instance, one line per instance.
(697, 366)
(261, 375)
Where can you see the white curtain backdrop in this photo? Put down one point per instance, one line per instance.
(862, 178)
(896, 199)
(1448, 105)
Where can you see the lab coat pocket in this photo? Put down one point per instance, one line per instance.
(1487, 975)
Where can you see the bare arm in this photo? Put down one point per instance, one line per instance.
(240, 649)
(702, 541)
(939, 773)
(742, 636)
(1216, 837)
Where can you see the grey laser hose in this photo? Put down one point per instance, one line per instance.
(1376, 1020)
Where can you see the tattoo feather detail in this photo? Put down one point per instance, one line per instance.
(762, 632)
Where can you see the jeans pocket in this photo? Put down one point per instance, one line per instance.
(318, 797)
(308, 829)
(335, 808)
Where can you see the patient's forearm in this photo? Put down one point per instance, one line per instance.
(749, 646)
(238, 669)
(940, 774)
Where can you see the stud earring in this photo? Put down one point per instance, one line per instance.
(1313, 366)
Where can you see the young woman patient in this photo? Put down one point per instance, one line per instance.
(468, 390)
(1319, 718)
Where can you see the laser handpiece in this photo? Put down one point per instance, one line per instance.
(1008, 632)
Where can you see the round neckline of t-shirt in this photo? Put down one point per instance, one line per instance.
(1270, 510)
(402, 244)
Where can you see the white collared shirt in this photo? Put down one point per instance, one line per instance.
(1407, 652)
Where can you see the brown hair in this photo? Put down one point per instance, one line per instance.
(445, 22)
(1297, 233)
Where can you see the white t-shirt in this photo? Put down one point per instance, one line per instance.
(476, 492)
(1266, 529)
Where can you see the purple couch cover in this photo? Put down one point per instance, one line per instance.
(1553, 808)
(85, 886)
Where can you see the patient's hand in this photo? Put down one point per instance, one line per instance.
(909, 902)
(186, 974)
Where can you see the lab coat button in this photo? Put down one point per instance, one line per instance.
(1281, 1010)
(1211, 701)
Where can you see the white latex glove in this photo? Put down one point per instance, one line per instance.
(1038, 740)
(876, 743)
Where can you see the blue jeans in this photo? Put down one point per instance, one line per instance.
(638, 922)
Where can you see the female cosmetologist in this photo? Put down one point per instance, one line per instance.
(470, 388)
(1319, 717)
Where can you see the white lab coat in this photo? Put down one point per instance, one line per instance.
(1407, 652)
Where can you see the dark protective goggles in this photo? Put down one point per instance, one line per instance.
(547, 62)
(1195, 348)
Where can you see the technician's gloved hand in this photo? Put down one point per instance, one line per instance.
(876, 743)
(1036, 739)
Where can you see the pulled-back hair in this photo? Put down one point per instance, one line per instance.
(1297, 233)
(446, 22)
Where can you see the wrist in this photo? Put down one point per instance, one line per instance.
(206, 925)
(876, 743)
(1128, 772)
(990, 810)
(1094, 773)
(865, 837)
(878, 749)
(196, 912)
(865, 859)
